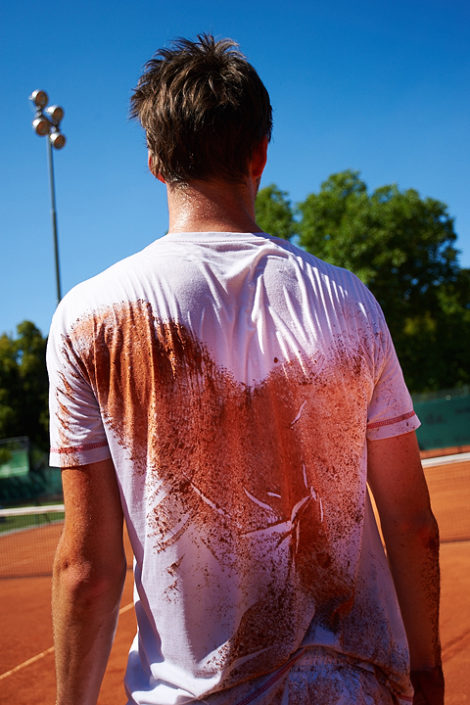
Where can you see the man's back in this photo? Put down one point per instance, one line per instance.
(237, 379)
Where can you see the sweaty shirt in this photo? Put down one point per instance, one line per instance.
(234, 381)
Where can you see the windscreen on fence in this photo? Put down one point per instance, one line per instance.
(445, 418)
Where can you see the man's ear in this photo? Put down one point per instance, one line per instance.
(258, 159)
(152, 167)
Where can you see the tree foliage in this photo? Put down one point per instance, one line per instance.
(274, 212)
(403, 247)
(24, 385)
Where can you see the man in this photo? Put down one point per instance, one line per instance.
(230, 396)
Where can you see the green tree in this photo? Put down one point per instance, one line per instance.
(274, 212)
(24, 385)
(9, 387)
(452, 332)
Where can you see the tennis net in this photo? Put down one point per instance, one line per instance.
(28, 540)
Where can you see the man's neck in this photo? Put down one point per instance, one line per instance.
(212, 206)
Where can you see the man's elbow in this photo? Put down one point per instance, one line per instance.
(420, 528)
(427, 531)
(88, 583)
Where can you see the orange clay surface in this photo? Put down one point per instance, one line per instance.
(26, 651)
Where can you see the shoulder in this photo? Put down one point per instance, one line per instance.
(113, 285)
(337, 284)
(326, 269)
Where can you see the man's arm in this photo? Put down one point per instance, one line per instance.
(88, 577)
(411, 537)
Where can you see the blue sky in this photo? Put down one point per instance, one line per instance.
(379, 87)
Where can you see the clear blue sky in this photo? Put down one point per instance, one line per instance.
(379, 87)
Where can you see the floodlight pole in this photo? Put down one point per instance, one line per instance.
(54, 218)
(46, 124)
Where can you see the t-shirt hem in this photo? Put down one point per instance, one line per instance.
(79, 455)
(396, 426)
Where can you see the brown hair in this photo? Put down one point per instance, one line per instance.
(204, 109)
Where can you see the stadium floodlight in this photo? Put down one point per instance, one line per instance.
(42, 126)
(55, 113)
(57, 140)
(47, 119)
(47, 122)
(39, 98)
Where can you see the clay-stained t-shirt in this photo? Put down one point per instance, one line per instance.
(234, 380)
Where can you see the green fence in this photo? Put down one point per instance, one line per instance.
(445, 418)
(35, 486)
(14, 457)
(24, 473)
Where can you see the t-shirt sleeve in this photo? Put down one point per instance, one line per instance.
(390, 411)
(77, 434)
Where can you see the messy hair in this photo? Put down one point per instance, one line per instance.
(204, 110)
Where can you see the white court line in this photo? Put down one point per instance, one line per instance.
(48, 651)
(445, 460)
(27, 663)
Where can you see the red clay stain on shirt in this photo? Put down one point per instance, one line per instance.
(262, 465)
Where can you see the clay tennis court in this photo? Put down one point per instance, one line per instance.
(27, 658)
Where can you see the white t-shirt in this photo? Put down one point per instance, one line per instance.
(234, 380)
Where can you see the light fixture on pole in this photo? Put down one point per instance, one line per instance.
(47, 123)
